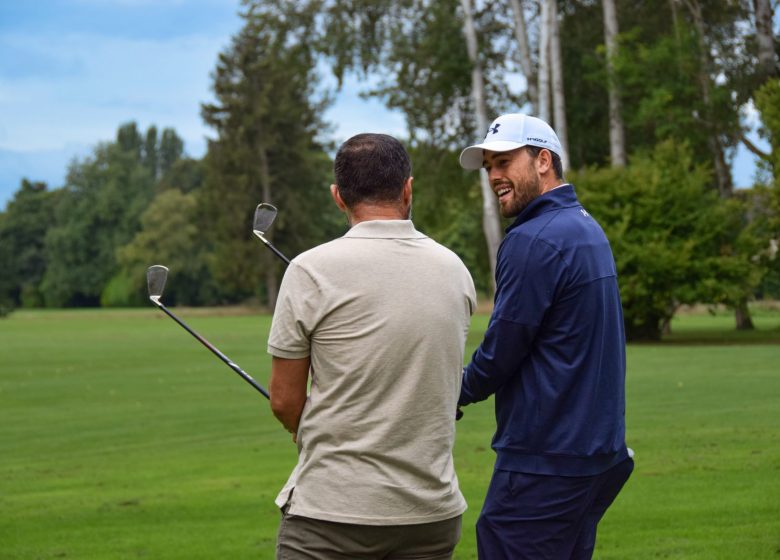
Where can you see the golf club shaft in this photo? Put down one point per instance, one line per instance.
(276, 251)
(217, 353)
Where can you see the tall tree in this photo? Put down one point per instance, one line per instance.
(705, 78)
(267, 149)
(767, 55)
(543, 74)
(559, 95)
(22, 255)
(490, 217)
(761, 72)
(617, 140)
(717, 26)
(520, 30)
(169, 235)
(98, 211)
(170, 150)
(150, 155)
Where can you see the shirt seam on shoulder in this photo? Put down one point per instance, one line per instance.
(308, 274)
(592, 280)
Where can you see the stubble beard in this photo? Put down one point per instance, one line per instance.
(524, 192)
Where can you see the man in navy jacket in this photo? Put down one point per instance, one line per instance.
(553, 355)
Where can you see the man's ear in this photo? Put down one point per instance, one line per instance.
(544, 162)
(406, 195)
(334, 192)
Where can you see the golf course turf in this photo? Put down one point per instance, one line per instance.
(122, 437)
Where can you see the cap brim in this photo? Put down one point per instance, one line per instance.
(471, 157)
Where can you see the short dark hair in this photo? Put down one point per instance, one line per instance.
(371, 168)
(556, 159)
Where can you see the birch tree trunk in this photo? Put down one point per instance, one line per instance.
(722, 172)
(559, 96)
(491, 224)
(768, 68)
(764, 36)
(544, 62)
(521, 36)
(617, 141)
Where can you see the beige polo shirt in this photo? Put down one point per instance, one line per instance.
(383, 312)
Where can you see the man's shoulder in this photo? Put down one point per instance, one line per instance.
(319, 252)
(438, 248)
(558, 227)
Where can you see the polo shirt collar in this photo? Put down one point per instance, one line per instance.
(559, 197)
(385, 229)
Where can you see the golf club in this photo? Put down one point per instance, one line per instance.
(156, 275)
(265, 214)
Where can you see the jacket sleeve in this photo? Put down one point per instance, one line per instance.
(527, 275)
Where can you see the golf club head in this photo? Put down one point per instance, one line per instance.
(156, 275)
(265, 214)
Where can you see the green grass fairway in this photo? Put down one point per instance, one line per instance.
(121, 437)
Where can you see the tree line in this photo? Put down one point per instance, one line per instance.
(649, 100)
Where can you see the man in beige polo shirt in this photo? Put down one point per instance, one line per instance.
(377, 320)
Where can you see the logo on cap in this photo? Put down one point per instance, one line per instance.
(494, 128)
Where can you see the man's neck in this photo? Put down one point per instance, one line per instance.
(367, 212)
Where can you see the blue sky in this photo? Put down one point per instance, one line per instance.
(72, 71)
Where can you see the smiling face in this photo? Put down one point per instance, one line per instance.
(514, 178)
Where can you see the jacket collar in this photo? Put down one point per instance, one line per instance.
(385, 229)
(559, 197)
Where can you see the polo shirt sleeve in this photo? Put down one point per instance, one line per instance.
(528, 272)
(297, 312)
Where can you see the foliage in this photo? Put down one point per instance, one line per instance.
(185, 174)
(169, 235)
(768, 104)
(684, 69)
(98, 211)
(267, 150)
(659, 70)
(22, 256)
(763, 201)
(669, 233)
(418, 50)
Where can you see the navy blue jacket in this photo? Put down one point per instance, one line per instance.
(554, 350)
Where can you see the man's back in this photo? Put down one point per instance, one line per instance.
(383, 312)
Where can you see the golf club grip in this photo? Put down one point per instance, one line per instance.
(217, 353)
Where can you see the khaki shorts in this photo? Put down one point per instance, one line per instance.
(303, 538)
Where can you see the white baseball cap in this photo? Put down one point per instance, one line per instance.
(509, 132)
